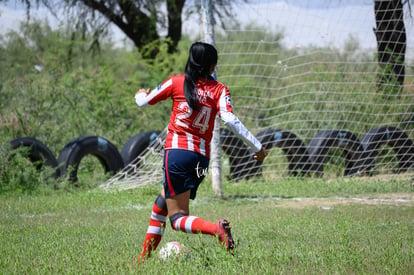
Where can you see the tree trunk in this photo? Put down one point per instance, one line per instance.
(175, 10)
(391, 45)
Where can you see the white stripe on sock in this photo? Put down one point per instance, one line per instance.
(177, 223)
(189, 223)
(155, 230)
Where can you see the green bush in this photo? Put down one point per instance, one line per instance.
(18, 173)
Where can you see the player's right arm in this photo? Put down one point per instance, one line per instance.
(141, 97)
(146, 96)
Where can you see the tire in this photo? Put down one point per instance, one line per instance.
(292, 146)
(38, 152)
(72, 154)
(136, 145)
(393, 137)
(346, 141)
(242, 163)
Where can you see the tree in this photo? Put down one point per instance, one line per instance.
(391, 43)
(138, 19)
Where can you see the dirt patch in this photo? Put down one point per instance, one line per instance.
(326, 203)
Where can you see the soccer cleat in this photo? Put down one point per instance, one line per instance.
(224, 234)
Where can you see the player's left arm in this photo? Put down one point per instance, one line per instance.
(238, 128)
(234, 124)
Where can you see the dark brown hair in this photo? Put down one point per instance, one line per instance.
(200, 59)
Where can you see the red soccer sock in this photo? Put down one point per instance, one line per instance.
(192, 224)
(154, 232)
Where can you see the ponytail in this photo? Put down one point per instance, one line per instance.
(200, 59)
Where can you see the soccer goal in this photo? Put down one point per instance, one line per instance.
(327, 86)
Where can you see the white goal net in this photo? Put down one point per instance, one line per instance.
(327, 86)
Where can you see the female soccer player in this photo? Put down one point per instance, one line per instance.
(197, 98)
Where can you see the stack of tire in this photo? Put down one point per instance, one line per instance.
(359, 155)
(67, 163)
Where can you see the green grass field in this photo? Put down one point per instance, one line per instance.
(353, 226)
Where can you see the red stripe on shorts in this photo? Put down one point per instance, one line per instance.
(170, 187)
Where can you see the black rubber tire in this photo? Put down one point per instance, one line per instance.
(393, 137)
(72, 154)
(292, 146)
(38, 152)
(242, 163)
(136, 145)
(346, 141)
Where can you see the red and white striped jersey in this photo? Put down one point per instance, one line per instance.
(193, 129)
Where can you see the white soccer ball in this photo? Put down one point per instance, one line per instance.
(172, 249)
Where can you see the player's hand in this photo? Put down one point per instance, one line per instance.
(260, 156)
(143, 91)
(141, 97)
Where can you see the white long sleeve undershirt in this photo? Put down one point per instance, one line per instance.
(238, 128)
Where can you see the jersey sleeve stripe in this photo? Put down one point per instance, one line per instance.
(157, 91)
(222, 101)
